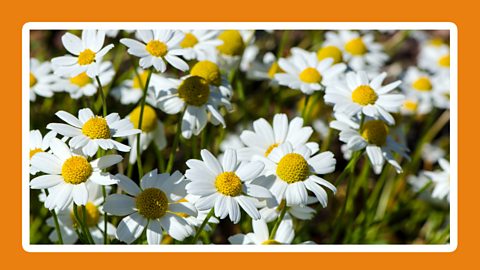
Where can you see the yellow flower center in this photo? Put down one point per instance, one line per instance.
(310, 75)
(139, 83)
(364, 95)
(293, 168)
(437, 42)
(92, 218)
(270, 149)
(194, 91)
(189, 41)
(444, 61)
(96, 128)
(33, 79)
(330, 52)
(76, 170)
(232, 42)
(375, 132)
(422, 84)
(81, 79)
(229, 184)
(356, 47)
(274, 69)
(86, 57)
(410, 105)
(207, 70)
(152, 203)
(271, 242)
(149, 119)
(156, 48)
(34, 151)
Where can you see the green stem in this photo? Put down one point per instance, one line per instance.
(202, 226)
(57, 225)
(105, 217)
(277, 224)
(305, 106)
(80, 222)
(102, 96)
(171, 157)
(140, 119)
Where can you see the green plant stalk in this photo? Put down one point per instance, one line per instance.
(202, 226)
(277, 224)
(57, 225)
(305, 106)
(140, 119)
(85, 231)
(105, 217)
(102, 96)
(173, 151)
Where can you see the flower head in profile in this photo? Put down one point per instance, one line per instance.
(261, 235)
(67, 173)
(85, 54)
(200, 45)
(154, 206)
(41, 79)
(225, 186)
(441, 180)
(39, 144)
(130, 91)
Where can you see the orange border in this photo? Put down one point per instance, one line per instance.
(246, 10)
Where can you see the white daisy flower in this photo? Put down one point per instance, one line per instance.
(432, 153)
(41, 79)
(304, 72)
(82, 85)
(158, 46)
(359, 94)
(419, 182)
(441, 180)
(305, 212)
(414, 105)
(196, 221)
(435, 59)
(360, 52)
(232, 50)
(428, 89)
(225, 186)
(210, 71)
(152, 206)
(200, 45)
(373, 136)
(152, 131)
(86, 54)
(264, 70)
(130, 91)
(67, 173)
(94, 219)
(441, 85)
(192, 95)
(88, 131)
(264, 138)
(261, 234)
(248, 58)
(38, 145)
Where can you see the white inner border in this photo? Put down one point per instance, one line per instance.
(242, 25)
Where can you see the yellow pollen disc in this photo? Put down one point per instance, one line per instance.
(310, 75)
(422, 84)
(149, 119)
(76, 170)
(330, 52)
(375, 132)
(33, 80)
(232, 43)
(356, 47)
(34, 151)
(152, 203)
(96, 128)
(189, 41)
(270, 149)
(364, 95)
(271, 242)
(207, 70)
(410, 105)
(229, 184)
(140, 83)
(293, 168)
(437, 42)
(274, 69)
(81, 79)
(194, 91)
(92, 218)
(156, 48)
(444, 61)
(86, 57)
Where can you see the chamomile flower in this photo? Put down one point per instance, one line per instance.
(261, 234)
(265, 69)
(441, 180)
(359, 94)
(200, 45)
(414, 105)
(264, 138)
(419, 83)
(294, 171)
(304, 72)
(88, 132)
(82, 85)
(39, 144)
(94, 219)
(152, 131)
(226, 185)
(233, 47)
(86, 54)
(211, 72)
(196, 221)
(192, 95)
(432, 153)
(359, 52)
(66, 174)
(153, 206)
(373, 136)
(435, 59)
(156, 48)
(131, 90)
(41, 79)
(270, 214)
